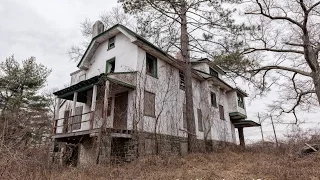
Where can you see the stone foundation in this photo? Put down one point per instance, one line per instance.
(119, 149)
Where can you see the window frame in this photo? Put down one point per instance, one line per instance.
(215, 74)
(182, 84)
(213, 101)
(240, 101)
(221, 112)
(154, 64)
(108, 63)
(111, 41)
(153, 114)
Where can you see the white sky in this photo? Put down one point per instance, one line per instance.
(46, 29)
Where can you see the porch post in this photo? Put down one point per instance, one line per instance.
(105, 107)
(56, 115)
(75, 96)
(93, 105)
(241, 136)
(104, 148)
(57, 109)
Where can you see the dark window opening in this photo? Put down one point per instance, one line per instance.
(213, 73)
(213, 99)
(151, 65)
(221, 112)
(240, 101)
(110, 65)
(111, 43)
(182, 83)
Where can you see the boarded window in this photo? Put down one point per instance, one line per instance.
(240, 101)
(66, 121)
(184, 116)
(151, 65)
(111, 43)
(182, 83)
(200, 123)
(77, 118)
(213, 99)
(213, 72)
(149, 104)
(221, 112)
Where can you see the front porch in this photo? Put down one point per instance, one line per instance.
(90, 105)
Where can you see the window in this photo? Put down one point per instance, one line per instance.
(213, 99)
(213, 72)
(240, 101)
(221, 112)
(149, 104)
(151, 65)
(184, 110)
(200, 123)
(110, 65)
(66, 121)
(181, 77)
(111, 43)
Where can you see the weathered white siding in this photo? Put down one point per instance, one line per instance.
(169, 97)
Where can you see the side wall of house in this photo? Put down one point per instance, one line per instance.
(169, 100)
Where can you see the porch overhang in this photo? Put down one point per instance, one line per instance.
(245, 123)
(85, 85)
(237, 116)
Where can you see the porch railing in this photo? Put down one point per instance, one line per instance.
(69, 124)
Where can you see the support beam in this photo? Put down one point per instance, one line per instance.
(241, 136)
(57, 108)
(93, 105)
(105, 104)
(56, 114)
(75, 97)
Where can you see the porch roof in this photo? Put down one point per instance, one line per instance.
(245, 123)
(87, 84)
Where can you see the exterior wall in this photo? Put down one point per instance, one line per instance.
(169, 100)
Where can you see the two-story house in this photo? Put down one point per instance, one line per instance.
(127, 99)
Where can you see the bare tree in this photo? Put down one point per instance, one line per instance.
(191, 17)
(281, 50)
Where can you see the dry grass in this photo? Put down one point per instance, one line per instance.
(253, 163)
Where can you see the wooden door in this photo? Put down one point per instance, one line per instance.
(120, 111)
(77, 118)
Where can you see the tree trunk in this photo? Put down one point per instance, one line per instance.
(188, 81)
(316, 81)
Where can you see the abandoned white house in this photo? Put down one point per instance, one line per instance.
(127, 99)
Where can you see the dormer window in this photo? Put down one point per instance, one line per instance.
(151, 65)
(111, 43)
(240, 101)
(213, 72)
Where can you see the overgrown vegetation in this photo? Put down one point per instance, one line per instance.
(258, 161)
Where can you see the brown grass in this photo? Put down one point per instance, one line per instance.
(252, 163)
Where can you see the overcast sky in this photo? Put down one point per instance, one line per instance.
(46, 29)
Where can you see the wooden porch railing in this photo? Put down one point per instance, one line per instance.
(69, 126)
